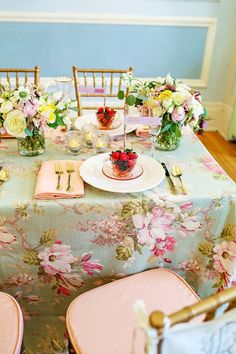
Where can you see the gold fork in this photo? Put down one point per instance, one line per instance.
(69, 169)
(58, 172)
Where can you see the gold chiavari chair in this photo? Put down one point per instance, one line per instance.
(105, 78)
(19, 76)
(208, 307)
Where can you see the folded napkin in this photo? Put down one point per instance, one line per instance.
(47, 181)
(142, 131)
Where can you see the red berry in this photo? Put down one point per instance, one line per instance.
(100, 110)
(124, 156)
(115, 155)
(132, 155)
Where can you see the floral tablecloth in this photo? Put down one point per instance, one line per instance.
(52, 251)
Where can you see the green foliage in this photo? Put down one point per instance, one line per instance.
(121, 95)
(139, 206)
(31, 258)
(206, 248)
(229, 232)
(131, 100)
(48, 237)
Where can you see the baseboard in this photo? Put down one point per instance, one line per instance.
(220, 117)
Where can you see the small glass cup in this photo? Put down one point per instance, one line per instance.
(123, 168)
(73, 141)
(89, 131)
(64, 85)
(100, 142)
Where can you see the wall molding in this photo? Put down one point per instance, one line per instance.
(82, 18)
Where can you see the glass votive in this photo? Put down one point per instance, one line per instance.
(89, 131)
(73, 141)
(100, 142)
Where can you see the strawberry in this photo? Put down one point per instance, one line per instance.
(100, 110)
(132, 155)
(124, 156)
(115, 155)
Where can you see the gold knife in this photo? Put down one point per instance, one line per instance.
(169, 179)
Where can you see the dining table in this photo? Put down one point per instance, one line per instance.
(54, 250)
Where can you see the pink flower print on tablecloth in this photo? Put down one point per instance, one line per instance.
(225, 260)
(90, 266)
(211, 165)
(152, 226)
(6, 238)
(57, 259)
(190, 222)
(161, 246)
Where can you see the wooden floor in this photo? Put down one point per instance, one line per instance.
(223, 151)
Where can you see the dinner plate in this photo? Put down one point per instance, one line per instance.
(91, 119)
(91, 172)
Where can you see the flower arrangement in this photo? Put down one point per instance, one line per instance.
(105, 116)
(25, 111)
(175, 103)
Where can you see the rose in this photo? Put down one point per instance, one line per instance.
(15, 124)
(196, 107)
(168, 105)
(30, 108)
(6, 107)
(178, 98)
(178, 114)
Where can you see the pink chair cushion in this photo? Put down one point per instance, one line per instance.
(102, 320)
(11, 325)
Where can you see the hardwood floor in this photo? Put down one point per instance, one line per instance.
(223, 151)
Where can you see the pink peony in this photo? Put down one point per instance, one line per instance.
(161, 246)
(90, 266)
(57, 259)
(30, 108)
(153, 226)
(178, 114)
(225, 258)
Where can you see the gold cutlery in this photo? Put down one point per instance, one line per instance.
(58, 172)
(177, 172)
(4, 175)
(169, 179)
(69, 169)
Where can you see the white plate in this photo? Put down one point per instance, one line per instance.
(91, 172)
(91, 119)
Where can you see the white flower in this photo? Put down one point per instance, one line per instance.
(61, 105)
(56, 96)
(15, 124)
(160, 80)
(22, 93)
(6, 107)
(168, 105)
(178, 98)
(169, 80)
(157, 111)
(195, 106)
(1, 100)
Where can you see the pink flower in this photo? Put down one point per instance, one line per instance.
(211, 165)
(161, 246)
(178, 114)
(153, 226)
(30, 108)
(89, 266)
(57, 259)
(225, 258)
(6, 238)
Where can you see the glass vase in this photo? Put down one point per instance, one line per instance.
(32, 145)
(167, 141)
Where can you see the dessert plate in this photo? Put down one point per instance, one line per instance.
(91, 119)
(91, 171)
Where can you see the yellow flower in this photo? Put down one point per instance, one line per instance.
(49, 107)
(15, 124)
(157, 111)
(164, 94)
(6, 107)
(47, 112)
(52, 117)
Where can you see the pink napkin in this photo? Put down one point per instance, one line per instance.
(47, 181)
(142, 131)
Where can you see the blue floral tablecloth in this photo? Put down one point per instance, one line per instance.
(52, 251)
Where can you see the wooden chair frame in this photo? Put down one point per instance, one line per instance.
(206, 306)
(93, 72)
(35, 71)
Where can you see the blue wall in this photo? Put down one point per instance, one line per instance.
(150, 49)
(179, 50)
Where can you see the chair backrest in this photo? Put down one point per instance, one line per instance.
(109, 80)
(16, 77)
(208, 306)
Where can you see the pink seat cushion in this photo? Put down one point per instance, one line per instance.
(11, 325)
(102, 320)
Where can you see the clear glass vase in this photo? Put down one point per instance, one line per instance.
(167, 141)
(32, 145)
